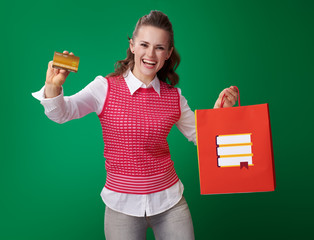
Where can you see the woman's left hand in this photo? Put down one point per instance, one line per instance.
(231, 96)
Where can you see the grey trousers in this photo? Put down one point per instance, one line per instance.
(173, 224)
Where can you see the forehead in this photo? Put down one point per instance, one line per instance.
(152, 35)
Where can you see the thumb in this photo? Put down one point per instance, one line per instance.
(50, 72)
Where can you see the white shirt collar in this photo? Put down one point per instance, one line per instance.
(134, 84)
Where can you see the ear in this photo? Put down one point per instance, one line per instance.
(131, 45)
(169, 53)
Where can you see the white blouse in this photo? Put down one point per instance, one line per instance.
(91, 99)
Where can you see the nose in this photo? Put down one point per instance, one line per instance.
(150, 52)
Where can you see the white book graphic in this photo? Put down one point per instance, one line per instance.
(234, 139)
(234, 161)
(234, 150)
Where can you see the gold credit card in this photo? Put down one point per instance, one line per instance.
(65, 61)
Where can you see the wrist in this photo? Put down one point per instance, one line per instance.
(52, 90)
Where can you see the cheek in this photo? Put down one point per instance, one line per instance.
(162, 57)
(138, 54)
(163, 61)
(137, 57)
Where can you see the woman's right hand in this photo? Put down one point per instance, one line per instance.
(55, 78)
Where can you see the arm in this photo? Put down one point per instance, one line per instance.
(62, 109)
(186, 123)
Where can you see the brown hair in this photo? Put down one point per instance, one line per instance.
(167, 72)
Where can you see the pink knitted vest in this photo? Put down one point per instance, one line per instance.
(135, 128)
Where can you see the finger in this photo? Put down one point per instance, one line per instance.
(234, 88)
(71, 53)
(50, 66)
(65, 52)
(227, 93)
(233, 92)
(231, 95)
(222, 93)
(49, 73)
(231, 100)
(227, 103)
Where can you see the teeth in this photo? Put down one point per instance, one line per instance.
(149, 62)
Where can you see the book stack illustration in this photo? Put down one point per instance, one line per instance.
(234, 150)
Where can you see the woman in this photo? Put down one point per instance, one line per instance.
(137, 108)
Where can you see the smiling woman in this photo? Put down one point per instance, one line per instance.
(152, 38)
(151, 50)
(137, 106)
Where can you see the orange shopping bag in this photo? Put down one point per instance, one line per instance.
(235, 152)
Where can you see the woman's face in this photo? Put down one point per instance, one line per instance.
(151, 50)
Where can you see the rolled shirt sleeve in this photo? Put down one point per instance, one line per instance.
(186, 123)
(61, 109)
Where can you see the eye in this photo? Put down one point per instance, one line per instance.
(144, 45)
(160, 48)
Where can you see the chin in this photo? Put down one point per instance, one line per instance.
(148, 73)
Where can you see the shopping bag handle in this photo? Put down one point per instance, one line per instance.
(223, 97)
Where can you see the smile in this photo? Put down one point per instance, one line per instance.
(149, 62)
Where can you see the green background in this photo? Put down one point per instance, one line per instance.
(51, 175)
